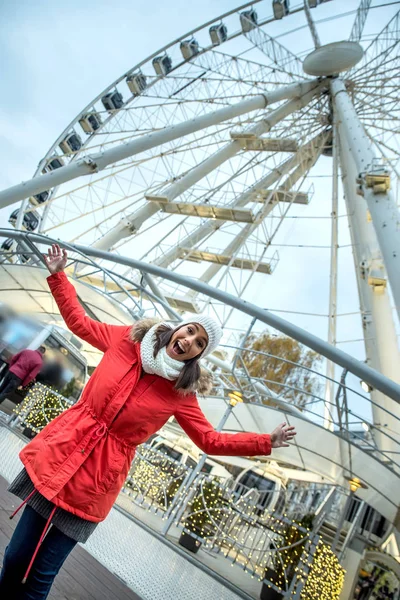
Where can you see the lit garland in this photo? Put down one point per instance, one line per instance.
(154, 479)
(325, 579)
(206, 511)
(222, 522)
(40, 406)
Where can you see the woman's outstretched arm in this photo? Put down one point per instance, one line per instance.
(99, 335)
(192, 420)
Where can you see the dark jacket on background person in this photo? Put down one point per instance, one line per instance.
(26, 365)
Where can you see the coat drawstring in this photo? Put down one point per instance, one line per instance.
(45, 530)
(21, 505)
(100, 431)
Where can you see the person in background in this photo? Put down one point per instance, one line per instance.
(23, 368)
(52, 373)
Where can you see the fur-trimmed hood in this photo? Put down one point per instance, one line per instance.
(203, 385)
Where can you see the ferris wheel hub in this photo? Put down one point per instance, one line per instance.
(332, 59)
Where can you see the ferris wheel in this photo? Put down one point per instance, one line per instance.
(231, 125)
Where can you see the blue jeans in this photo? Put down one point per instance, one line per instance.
(53, 551)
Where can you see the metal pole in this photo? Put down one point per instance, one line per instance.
(341, 521)
(97, 162)
(381, 204)
(374, 378)
(352, 530)
(330, 366)
(311, 25)
(233, 147)
(177, 507)
(381, 345)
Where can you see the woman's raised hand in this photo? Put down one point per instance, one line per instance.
(56, 259)
(282, 434)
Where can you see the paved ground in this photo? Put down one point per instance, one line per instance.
(82, 576)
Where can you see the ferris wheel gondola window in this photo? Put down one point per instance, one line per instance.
(30, 219)
(71, 143)
(280, 8)
(189, 48)
(22, 255)
(54, 163)
(112, 101)
(136, 83)
(248, 20)
(162, 64)
(90, 122)
(7, 244)
(218, 34)
(39, 198)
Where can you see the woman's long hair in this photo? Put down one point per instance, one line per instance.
(190, 372)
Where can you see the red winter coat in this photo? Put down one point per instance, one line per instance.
(81, 459)
(26, 365)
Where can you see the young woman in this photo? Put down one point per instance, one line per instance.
(75, 467)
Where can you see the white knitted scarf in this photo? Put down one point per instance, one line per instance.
(162, 364)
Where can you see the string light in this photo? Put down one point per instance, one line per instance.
(40, 406)
(326, 576)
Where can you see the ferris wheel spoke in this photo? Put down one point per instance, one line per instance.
(311, 25)
(382, 97)
(380, 47)
(379, 144)
(277, 53)
(359, 21)
(385, 72)
(373, 109)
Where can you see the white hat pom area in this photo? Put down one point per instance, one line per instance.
(212, 329)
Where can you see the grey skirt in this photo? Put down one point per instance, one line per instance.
(74, 527)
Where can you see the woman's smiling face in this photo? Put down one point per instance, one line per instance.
(187, 342)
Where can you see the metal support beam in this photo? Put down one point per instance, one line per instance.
(208, 211)
(330, 366)
(374, 378)
(282, 196)
(311, 25)
(381, 346)
(380, 201)
(359, 21)
(225, 259)
(96, 162)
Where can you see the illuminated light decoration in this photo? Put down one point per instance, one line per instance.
(40, 406)
(325, 579)
(235, 397)
(355, 484)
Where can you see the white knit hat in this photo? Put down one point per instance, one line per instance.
(212, 328)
